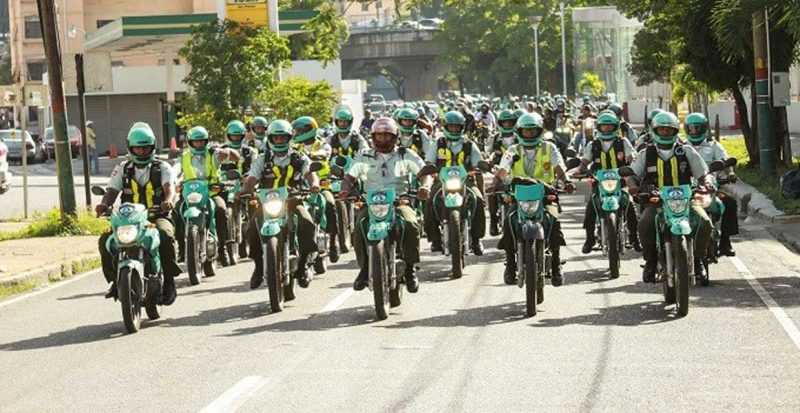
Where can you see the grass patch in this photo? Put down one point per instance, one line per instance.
(50, 225)
(18, 288)
(751, 175)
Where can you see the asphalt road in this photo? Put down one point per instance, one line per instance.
(457, 345)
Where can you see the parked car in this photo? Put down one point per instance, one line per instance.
(409, 24)
(13, 141)
(75, 139)
(5, 176)
(431, 23)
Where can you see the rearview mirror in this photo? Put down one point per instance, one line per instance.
(731, 162)
(570, 153)
(316, 166)
(426, 170)
(716, 166)
(573, 163)
(98, 190)
(232, 174)
(626, 171)
(484, 166)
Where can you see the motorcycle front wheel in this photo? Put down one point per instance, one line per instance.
(612, 243)
(455, 243)
(377, 273)
(129, 291)
(273, 272)
(529, 267)
(680, 254)
(193, 263)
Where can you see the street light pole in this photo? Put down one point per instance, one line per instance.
(535, 20)
(563, 50)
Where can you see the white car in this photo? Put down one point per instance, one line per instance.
(5, 175)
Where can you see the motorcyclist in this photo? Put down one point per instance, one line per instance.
(366, 123)
(625, 128)
(280, 165)
(499, 144)
(346, 141)
(257, 139)
(668, 162)
(696, 126)
(142, 179)
(453, 149)
(411, 136)
(202, 161)
(610, 151)
(537, 159)
(646, 136)
(387, 166)
(486, 116)
(306, 141)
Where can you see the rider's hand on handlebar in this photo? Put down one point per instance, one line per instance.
(100, 209)
(423, 193)
(167, 206)
(569, 187)
(732, 178)
(315, 189)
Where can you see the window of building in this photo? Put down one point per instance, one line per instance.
(32, 28)
(36, 70)
(101, 23)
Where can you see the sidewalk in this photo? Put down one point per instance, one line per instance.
(32, 262)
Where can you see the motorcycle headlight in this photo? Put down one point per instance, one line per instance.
(529, 207)
(379, 210)
(453, 184)
(273, 207)
(127, 234)
(678, 206)
(609, 185)
(194, 198)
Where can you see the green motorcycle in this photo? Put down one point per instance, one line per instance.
(201, 241)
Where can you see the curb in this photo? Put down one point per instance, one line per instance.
(54, 272)
(756, 204)
(791, 242)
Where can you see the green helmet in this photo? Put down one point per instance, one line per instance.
(669, 120)
(699, 120)
(345, 115)
(519, 112)
(305, 128)
(198, 133)
(277, 128)
(506, 115)
(530, 121)
(454, 118)
(607, 117)
(259, 121)
(651, 116)
(409, 114)
(141, 135)
(235, 127)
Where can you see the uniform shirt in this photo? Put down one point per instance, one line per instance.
(505, 141)
(529, 157)
(141, 175)
(406, 141)
(379, 171)
(456, 147)
(606, 146)
(711, 151)
(345, 142)
(696, 162)
(257, 168)
(487, 119)
(305, 148)
(199, 164)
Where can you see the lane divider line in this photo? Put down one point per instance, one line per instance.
(237, 395)
(338, 301)
(777, 311)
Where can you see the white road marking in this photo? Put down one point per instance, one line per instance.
(49, 288)
(237, 395)
(338, 301)
(788, 326)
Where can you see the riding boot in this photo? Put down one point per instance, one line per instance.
(303, 275)
(412, 282)
(168, 293)
(557, 278)
(333, 252)
(510, 274)
(362, 280)
(588, 245)
(725, 246)
(494, 225)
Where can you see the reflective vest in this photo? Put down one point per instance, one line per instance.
(613, 159)
(673, 172)
(446, 157)
(150, 194)
(315, 147)
(416, 144)
(543, 169)
(189, 173)
(245, 160)
(351, 150)
(275, 176)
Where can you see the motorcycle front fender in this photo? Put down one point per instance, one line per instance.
(378, 230)
(134, 265)
(453, 200)
(270, 228)
(191, 213)
(680, 226)
(610, 203)
(532, 231)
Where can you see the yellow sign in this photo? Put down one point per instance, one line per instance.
(247, 11)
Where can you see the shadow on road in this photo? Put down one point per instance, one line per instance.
(78, 335)
(469, 317)
(217, 316)
(347, 317)
(627, 315)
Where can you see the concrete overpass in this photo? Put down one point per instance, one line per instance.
(408, 58)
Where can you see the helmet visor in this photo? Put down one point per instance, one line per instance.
(454, 128)
(665, 131)
(607, 128)
(259, 130)
(695, 129)
(199, 144)
(302, 130)
(508, 123)
(279, 139)
(407, 123)
(342, 124)
(530, 133)
(142, 151)
(235, 138)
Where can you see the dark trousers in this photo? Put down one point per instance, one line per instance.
(220, 218)
(730, 220)
(409, 231)
(647, 232)
(330, 214)
(590, 215)
(306, 235)
(166, 251)
(435, 210)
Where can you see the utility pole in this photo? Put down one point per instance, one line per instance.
(55, 79)
(82, 116)
(563, 50)
(766, 142)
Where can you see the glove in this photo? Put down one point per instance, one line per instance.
(423, 193)
(100, 209)
(569, 187)
(167, 206)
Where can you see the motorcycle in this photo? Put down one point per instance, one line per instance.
(345, 211)
(482, 134)
(456, 222)
(201, 242)
(562, 135)
(584, 135)
(611, 220)
(236, 216)
(384, 265)
(134, 243)
(708, 196)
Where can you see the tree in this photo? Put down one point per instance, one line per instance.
(593, 82)
(6, 77)
(297, 97)
(230, 65)
(323, 35)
